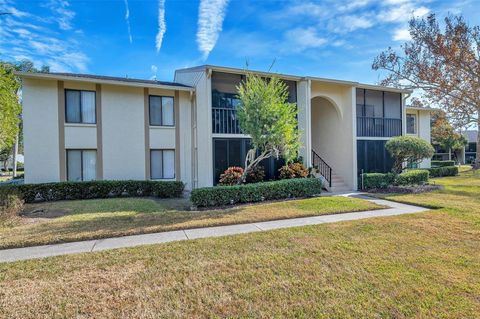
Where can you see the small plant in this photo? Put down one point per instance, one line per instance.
(408, 149)
(11, 205)
(293, 170)
(231, 176)
(256, 174)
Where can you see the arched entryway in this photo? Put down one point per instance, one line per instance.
(328, 140)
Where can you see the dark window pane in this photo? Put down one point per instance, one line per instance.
(155, 110)
(235, 153)
(221, 160)
(393, 105)
(411, 124)
(72, 102)
(360, 102)
(373, 103)
(156, 164)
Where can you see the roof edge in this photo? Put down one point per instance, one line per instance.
(108, 80)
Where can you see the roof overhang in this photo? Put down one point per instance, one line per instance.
(130, 83)
(425, 109)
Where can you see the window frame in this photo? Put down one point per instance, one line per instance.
(81, 150)
(163, 166)
(414, 123)
(161, 110)
(80, 103)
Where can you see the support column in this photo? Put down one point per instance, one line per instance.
(61, 131)
(98, 104)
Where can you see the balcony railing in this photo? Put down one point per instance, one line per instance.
(224, 121)
(378, 127)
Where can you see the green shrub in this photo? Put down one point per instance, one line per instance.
(256, 174)
(442, 163)
(248, 193)
(378, 180)
(408, 149)
(443, 171)
(96, 189)
(293, 170)
(231, 176)
(412, 177)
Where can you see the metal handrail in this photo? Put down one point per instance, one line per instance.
(323, 168)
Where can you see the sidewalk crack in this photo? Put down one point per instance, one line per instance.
(185, 234)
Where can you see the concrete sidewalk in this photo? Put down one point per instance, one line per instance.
(9, 255)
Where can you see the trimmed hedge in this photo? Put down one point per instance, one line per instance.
(443, 171)
(95, 189)
(413, 177)
(249, 193)
(442, 163)
(380, 180)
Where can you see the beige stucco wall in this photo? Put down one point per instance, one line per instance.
(40, 131)
(423, 130)
(332, 135)
(80, 136)
(123, 132)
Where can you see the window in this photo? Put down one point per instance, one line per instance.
(81, 165)
(162, 164)
(80, 106)
(161, 110)
(411, 124)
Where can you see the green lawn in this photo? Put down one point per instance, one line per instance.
(424, 265)
(100, 218)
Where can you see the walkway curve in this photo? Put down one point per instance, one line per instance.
(16, 254)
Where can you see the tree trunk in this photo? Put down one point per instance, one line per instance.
(449, 154)
(14, 156)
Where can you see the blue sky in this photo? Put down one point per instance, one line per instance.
(143, 39)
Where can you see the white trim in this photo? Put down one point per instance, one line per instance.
(79, 124)
(218, 135)
(73, 78)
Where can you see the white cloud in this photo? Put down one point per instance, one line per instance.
(127, 20)
(162, 26)
(63, 15)
(210, 20)
(27, 36)
(302, 39)
(401, 34)
(349, 23)
(402, 12)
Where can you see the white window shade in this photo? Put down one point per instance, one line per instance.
(89, 162)
(168, 164)
(88, 107)
(168, 117)
(156, 164)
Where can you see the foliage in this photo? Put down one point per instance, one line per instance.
(293, 170)
(95, 189)
(377, 180)
(256, 174)
(229, 195)
(10, 108)
(442, 163)
(380, 180)
(231, 176)
(11, 204)
(408, 149)
(443, 171)
(266, 115)
(443, 64)
(412, 177)
(444, 134)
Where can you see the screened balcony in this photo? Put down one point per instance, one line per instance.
(379, 113)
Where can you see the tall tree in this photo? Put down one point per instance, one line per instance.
(266, 115)
(444, 63)
(445, 135)
(10, 108)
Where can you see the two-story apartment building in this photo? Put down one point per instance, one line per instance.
(84, 127)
